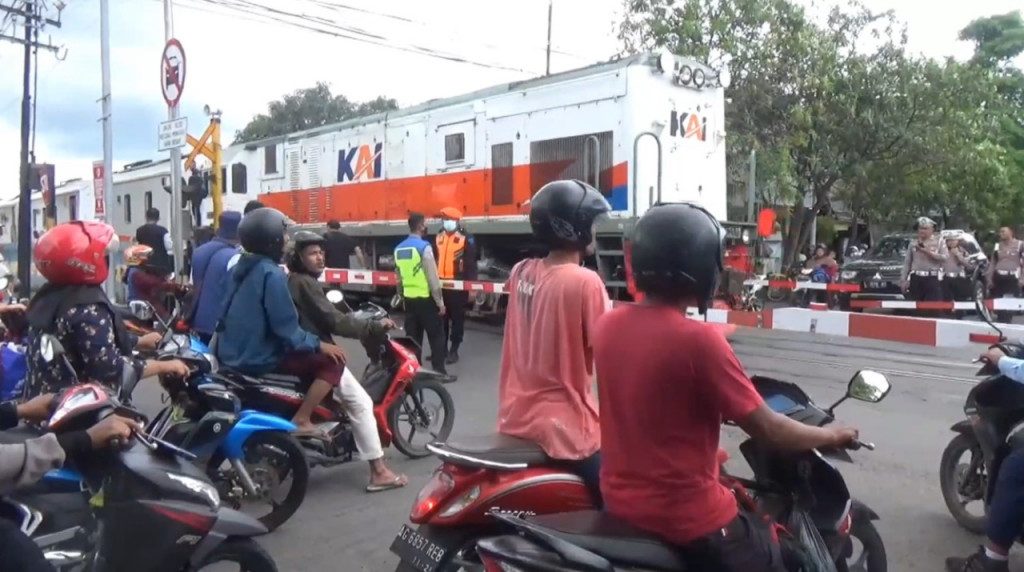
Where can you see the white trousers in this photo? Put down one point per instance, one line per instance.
(359, 406)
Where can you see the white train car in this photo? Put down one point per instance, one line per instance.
(642, 129)
(75, 201)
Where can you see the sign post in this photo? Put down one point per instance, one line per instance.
(172, 83)
(99, 170)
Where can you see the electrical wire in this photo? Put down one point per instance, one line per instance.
(333, 28)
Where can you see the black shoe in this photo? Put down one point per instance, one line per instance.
(453, 356)
(976, 562)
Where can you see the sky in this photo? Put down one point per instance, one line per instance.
(237, 61)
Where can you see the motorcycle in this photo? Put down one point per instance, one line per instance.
(205, 417)
(140, 505)
(394, 380)
(994, 411)
(803, 491)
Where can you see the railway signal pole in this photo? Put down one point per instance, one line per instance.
(32, 22)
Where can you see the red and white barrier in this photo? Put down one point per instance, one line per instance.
(816, 320)
(802, 285)
(997, 304)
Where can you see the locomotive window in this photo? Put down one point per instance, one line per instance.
(455, 148)
(72, 207)
(238, 178)
(127, 208)
(270, 159)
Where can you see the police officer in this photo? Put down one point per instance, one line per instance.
(955, 284)
(420, 288)
(456, 260)
(923, 264)
(1004, 274)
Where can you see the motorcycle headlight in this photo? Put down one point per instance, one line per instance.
(848, 274)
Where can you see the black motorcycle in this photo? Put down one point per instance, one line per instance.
(140, 506)
(803, 491)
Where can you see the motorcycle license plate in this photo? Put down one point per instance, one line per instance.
(417, 550)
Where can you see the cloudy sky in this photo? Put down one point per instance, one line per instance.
(239, 59)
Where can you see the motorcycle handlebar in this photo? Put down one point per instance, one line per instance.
(858, 444)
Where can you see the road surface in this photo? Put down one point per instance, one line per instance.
(341, 528)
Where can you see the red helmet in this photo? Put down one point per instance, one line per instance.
(76, 253)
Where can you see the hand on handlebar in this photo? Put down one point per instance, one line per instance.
(843, 436)
(113, 428)
(174, 367)
(148, 341)
(992, 355)
(388, 324)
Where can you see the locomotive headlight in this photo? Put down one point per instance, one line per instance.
(698, 78)
(685, 75)
(666, 62)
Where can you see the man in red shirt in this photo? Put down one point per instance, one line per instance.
(666, 384)
(545, 387)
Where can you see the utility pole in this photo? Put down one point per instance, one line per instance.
(31, 21)
(547, 68)
(108, 137)
(177, 235)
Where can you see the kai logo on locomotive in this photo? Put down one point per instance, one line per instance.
(688, 125)
(361, 163)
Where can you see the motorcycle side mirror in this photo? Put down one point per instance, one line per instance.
(335, 296)
(868, 385)
(141, 310)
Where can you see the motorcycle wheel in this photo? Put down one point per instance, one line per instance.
(460, 543)
(411, 407)
(872, 549)
(285, 448)
(949, 481)
(245, 552)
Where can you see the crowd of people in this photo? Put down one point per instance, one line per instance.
(648, 449)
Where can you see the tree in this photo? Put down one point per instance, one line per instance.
(308, 108)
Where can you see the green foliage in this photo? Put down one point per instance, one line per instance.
(891, 133)
(306, 109)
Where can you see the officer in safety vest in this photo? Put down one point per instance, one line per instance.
(456, 260)
(1004, 274)
(921, 269)
(420, 288)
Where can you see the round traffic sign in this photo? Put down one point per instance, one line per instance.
(172, 72)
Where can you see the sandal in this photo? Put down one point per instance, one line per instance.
(314, 433)
(398, 482)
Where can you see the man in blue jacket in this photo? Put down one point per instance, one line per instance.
(210, 276)
(259, 330)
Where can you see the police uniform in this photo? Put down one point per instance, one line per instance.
(456, 260)
(956, 286)
(923, 266)
(421, 290)
(1004, 278)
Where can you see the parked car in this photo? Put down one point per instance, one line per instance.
(878, 270)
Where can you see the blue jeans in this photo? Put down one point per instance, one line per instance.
(589, 469)
(1006, 513)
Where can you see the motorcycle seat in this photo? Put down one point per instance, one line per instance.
(495, 448)
(281, 378)
(612, 538)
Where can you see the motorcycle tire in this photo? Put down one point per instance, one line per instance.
(245, 552)
(948, 483)
(400, 441)
(298, 468)
(871, 543)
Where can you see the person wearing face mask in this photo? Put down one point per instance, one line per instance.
(420, 289)
(456, 260)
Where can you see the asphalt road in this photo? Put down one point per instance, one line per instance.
(342, 528)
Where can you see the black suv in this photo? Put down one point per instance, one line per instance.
(878, 270)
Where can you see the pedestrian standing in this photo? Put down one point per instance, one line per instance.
(340, 247)
(456, 260)
(420, 289)
(157, 237)
(956, 285)
(1004, 274)
(923, 264)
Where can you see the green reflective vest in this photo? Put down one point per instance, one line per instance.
(409, 265)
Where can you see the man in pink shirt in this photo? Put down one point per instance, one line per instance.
(547, 373)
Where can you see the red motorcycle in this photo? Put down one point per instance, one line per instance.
(480, 477)
(393, 379)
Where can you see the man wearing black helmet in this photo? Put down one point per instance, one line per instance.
(259, 330)
(546, 380)
(666, 385)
